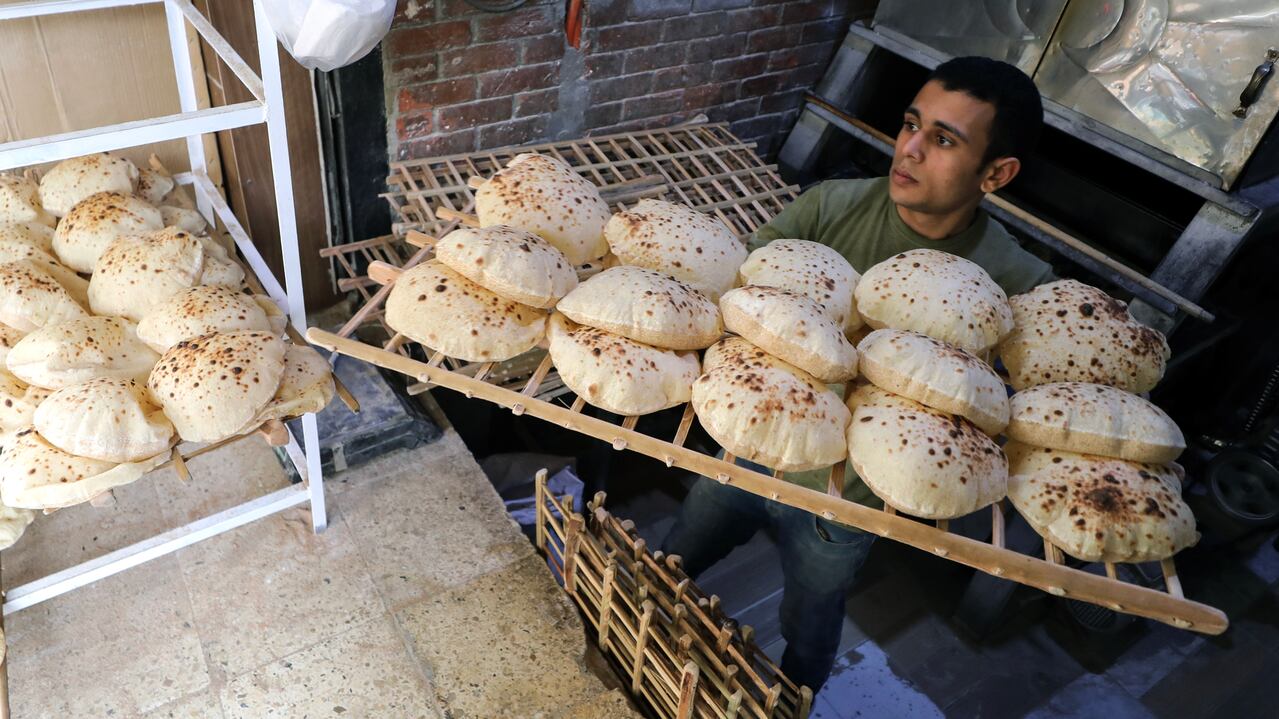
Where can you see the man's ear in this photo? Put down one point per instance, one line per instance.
(999, 173)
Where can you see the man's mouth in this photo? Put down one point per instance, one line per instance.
(902, 177)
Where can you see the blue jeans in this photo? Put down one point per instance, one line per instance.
(820, 560)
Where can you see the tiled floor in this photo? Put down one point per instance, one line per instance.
(421, 599)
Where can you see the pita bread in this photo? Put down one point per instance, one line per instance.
(18, 402)
(690, 246)
(28, 233)
(810, 269)
(306, 386)
(153, 186)
(8, 338)
(435, 306)
(37, 475)
(20, 202)
(936, 375)
(13, 524)
(95, 222)
(645, 306)
(70, 181)
(937, 294)
(620, 375)
(1070, 332)
(922, 461)
(183, 218)
(204, 309)
(1094, 419)
(137, 274)
(767, 411)
(31, 299)
(213, 385)
(547, 197)
(113, 420)
(220, 268)
(1099, 509)
(79, 350)
(75, 285)
(511, 263)
(791, 327)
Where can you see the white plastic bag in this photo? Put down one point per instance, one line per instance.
(327, 34)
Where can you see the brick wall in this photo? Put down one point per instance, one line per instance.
(459, 80)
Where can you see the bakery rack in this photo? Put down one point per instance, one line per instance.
(192, 124)
(708, 168)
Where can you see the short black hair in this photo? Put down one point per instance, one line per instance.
(1019, 112)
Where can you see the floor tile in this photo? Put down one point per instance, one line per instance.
(863, 685)
(204, 705)
(1209, 678)
(1094, 695)
(237, 473)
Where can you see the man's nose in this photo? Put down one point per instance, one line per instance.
(914, 147)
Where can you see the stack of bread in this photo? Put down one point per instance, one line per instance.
(1091, 462)
(102, 376)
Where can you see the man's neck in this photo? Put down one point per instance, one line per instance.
(937, 227)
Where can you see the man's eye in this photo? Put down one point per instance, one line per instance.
(909, 125)
(944, 141)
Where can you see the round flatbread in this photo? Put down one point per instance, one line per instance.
(28, 233)
(183, 218)
(13, 524)
(810, 269)
(96, 221)
(37, 475)
(440, 309)
(767, 411)
(306, 386)
(219, 267)
(1094, 419)
(509, 262)
(1100, 509)
(645, 306)
(8, 338)
(113, 420)
(137, 274)
(936, 375)
(547, 197)
(70, 181)
(20, 202)
(922, 461)
(693, 247)
(31, 299)
(1070, 332)
(204, 309)
(791, 327)
(153, 186)
(79, 350)
(212, 386)
(18, 402)
(75, 285)
(617, 374)
(937, 294)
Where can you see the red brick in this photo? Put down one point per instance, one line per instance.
(693, 26)
(513, 132)
(683, 76)
(415, 69)
(833, 29)
(705, 96)
(650, 105)
(734, 111)
(625, 37)
(436, 145)
(738, 68)
(705, 5)
(753, 19)
(661, 121)
(773, 38)
(755, 126)
(801, 55)
(807, 75)
(523, 79)
(483, 112)
(404, 42)
(543, 49)
(764, 85)
(621, 88)
(413, 126)
(479, 58)
(457, 8)
(716, 48)
(602, 13)
(424, 98)
(651, 58)
(785, 100)
(607, 65)
(805, 10)
(648, 9)
(520, 23)
(410, 11)
(536, 103)
(603, 115)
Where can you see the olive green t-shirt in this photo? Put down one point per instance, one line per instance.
(859, 220)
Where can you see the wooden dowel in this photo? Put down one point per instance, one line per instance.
(445, 213)
(383, 273)
(641, 639)
(1171, 581)
(475, 182)
(274, 432)
(681, 433)
(835, 481)
(943, 525)
(578, 404)
(997, 528)
(687, 691)
(420, 239)
(539, 497)
(179, 465)
(1111, 571)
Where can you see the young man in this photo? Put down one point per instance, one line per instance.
(961, 138)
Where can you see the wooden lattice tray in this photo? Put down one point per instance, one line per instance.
(679, 651)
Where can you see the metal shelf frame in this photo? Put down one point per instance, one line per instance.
(191, 124)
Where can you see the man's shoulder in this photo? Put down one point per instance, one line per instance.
(845, 192)
(1009, 264)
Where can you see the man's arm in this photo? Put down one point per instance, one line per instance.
(797, 221)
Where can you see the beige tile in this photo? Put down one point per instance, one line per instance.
(121, 647)
(221, 479)
(272, 587)
(432, 522)
(363, 672)
(506, 645)
(613, 704)
(204, 705)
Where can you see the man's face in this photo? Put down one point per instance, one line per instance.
(937, 161)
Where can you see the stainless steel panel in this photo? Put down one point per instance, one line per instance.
(1168, 73)
(1015, 31)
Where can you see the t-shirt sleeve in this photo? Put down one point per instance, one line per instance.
(797, 221)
